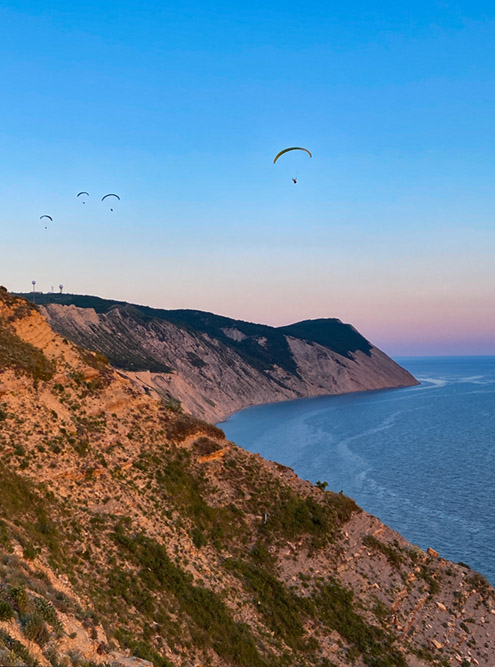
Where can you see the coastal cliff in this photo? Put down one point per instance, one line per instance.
(131, 534)
(215, 365)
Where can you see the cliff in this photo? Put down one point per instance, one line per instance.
(132, 533)
(214, 365)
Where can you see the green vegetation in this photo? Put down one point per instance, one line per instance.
(23, 357)
(32, 509)
(392, 552)
(14, 650)
(6, 610)
(283, 611)
(292, 516)
(335, 607)
(141, 649)
(188, 488)
(332, 333)
(212, 622)
(480, 584)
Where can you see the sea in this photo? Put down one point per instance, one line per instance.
(422, 459)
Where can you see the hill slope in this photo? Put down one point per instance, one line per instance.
(129, 531)
(215, 365)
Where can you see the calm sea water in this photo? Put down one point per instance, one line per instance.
(422, 459)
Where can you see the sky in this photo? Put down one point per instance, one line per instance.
(180, 108)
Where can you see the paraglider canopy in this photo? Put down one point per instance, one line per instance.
(83, 193)
(111, 194)
(293, 148)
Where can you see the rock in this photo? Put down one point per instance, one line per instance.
(124, 661)
(431, 552)
(441, 606)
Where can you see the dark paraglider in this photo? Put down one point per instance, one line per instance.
(110, 195)
(86, 194)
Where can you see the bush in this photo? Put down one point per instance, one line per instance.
(292, 516)
(30, 552)
(335, 606)
(392, 553)
(16, 353)
(282, 610)
(17, 648)
(46, 611)
(35, 629)
(6, 610)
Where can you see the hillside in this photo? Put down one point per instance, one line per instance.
(215, 365)
(130, 532)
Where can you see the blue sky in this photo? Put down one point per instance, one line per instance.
(180, 108)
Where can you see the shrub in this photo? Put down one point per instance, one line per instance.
(392, 553)
(282, 610)
(16, 353)
(21, 600)
(17, 648)
(35, 629)
(6, 610)
(335, 606)
(30, 552)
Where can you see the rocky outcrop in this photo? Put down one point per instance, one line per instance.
(215, 366)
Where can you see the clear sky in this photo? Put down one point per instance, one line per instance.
(180, 108)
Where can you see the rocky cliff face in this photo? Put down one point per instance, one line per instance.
(214, 365)
(132, 534)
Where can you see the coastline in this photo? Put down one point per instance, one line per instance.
(314, 396)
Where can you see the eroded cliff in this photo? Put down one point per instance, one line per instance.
(215, 366)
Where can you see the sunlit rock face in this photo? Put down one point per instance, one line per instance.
(214, 365)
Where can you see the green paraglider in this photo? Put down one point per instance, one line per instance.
(294, 148)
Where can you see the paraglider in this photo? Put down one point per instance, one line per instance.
(83, 193)
(110, 195)
(286, 150)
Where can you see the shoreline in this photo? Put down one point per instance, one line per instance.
(315, 396)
